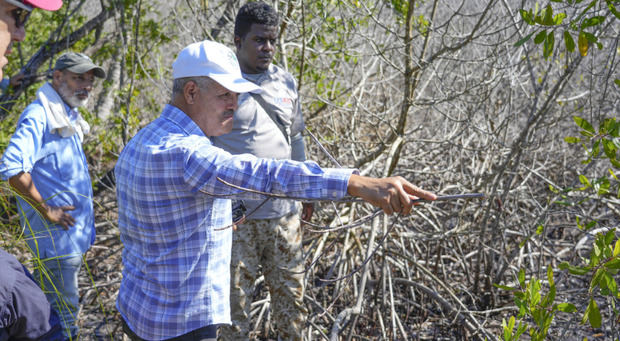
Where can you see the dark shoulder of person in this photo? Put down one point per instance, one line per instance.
(25, 312)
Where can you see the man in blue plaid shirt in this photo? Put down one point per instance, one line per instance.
(175, 208)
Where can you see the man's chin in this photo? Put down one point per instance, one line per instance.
(76, 102)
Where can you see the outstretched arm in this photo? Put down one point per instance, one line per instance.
(393, 194)
(23, 184)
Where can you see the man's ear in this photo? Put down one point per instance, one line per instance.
(57, 77)
(190, 91)
(237, 41)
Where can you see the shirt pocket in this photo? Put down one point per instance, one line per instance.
(59, 159)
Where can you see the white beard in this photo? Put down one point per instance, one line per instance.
(71, 98)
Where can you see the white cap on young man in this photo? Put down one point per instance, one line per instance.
(213, 60)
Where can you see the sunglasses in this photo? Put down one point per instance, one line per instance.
(21, 13)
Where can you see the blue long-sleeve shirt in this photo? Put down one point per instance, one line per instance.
(59, 171)
(176, 255)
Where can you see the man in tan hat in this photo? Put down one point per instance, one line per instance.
(44, 162)
(174, 204)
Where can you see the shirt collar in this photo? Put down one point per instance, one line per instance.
(258, 78)
(180, 119)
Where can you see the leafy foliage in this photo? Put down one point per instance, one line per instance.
(602, 268)
(582, 25)
(606, 139)
(529, 298)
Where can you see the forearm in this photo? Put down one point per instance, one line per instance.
(23, 184)
(357, 185)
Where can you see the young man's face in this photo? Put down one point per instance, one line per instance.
(255, 51)
(9, 32)
(74, 88)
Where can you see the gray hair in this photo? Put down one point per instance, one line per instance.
(178, 84)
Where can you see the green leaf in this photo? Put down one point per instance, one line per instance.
(589, 22)
(578, 271)
(594, 315)
(549, 298)
(591, 37)
(549, 44)
(616, 248)
(596, 148)
(559, 18)
(617, 81)
(511, 322)
(598, 278)
(584, 124)
(550, 276)
(521, 277)
(508, 328)
(609, 148)
(575, 270)
(584, 180)
(605, 280)
(586, 133)
(582, 43)
(537, 316)
(610, 236)
(613, 129)
(567, 307)
(612, 285)
(534, 291)
(603, 186)
(528, 17)
(615, 263)
(524, 39)
(612, 9)
(540, 37)
(540, 229)
(520, 330)
(569, 42)
(572, 139)
(504, 287)
(548, 19)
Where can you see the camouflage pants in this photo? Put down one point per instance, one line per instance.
(274, 244)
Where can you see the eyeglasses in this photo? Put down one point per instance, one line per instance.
(21, 13)
(20, 16)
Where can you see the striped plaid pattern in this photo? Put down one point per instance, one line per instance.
(176, 261)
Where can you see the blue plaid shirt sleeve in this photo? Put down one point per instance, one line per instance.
(176, 258)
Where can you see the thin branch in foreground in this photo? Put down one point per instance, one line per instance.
(380, 244)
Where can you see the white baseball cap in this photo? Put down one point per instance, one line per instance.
(214, 60)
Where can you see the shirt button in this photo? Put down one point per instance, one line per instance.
(334, 194)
